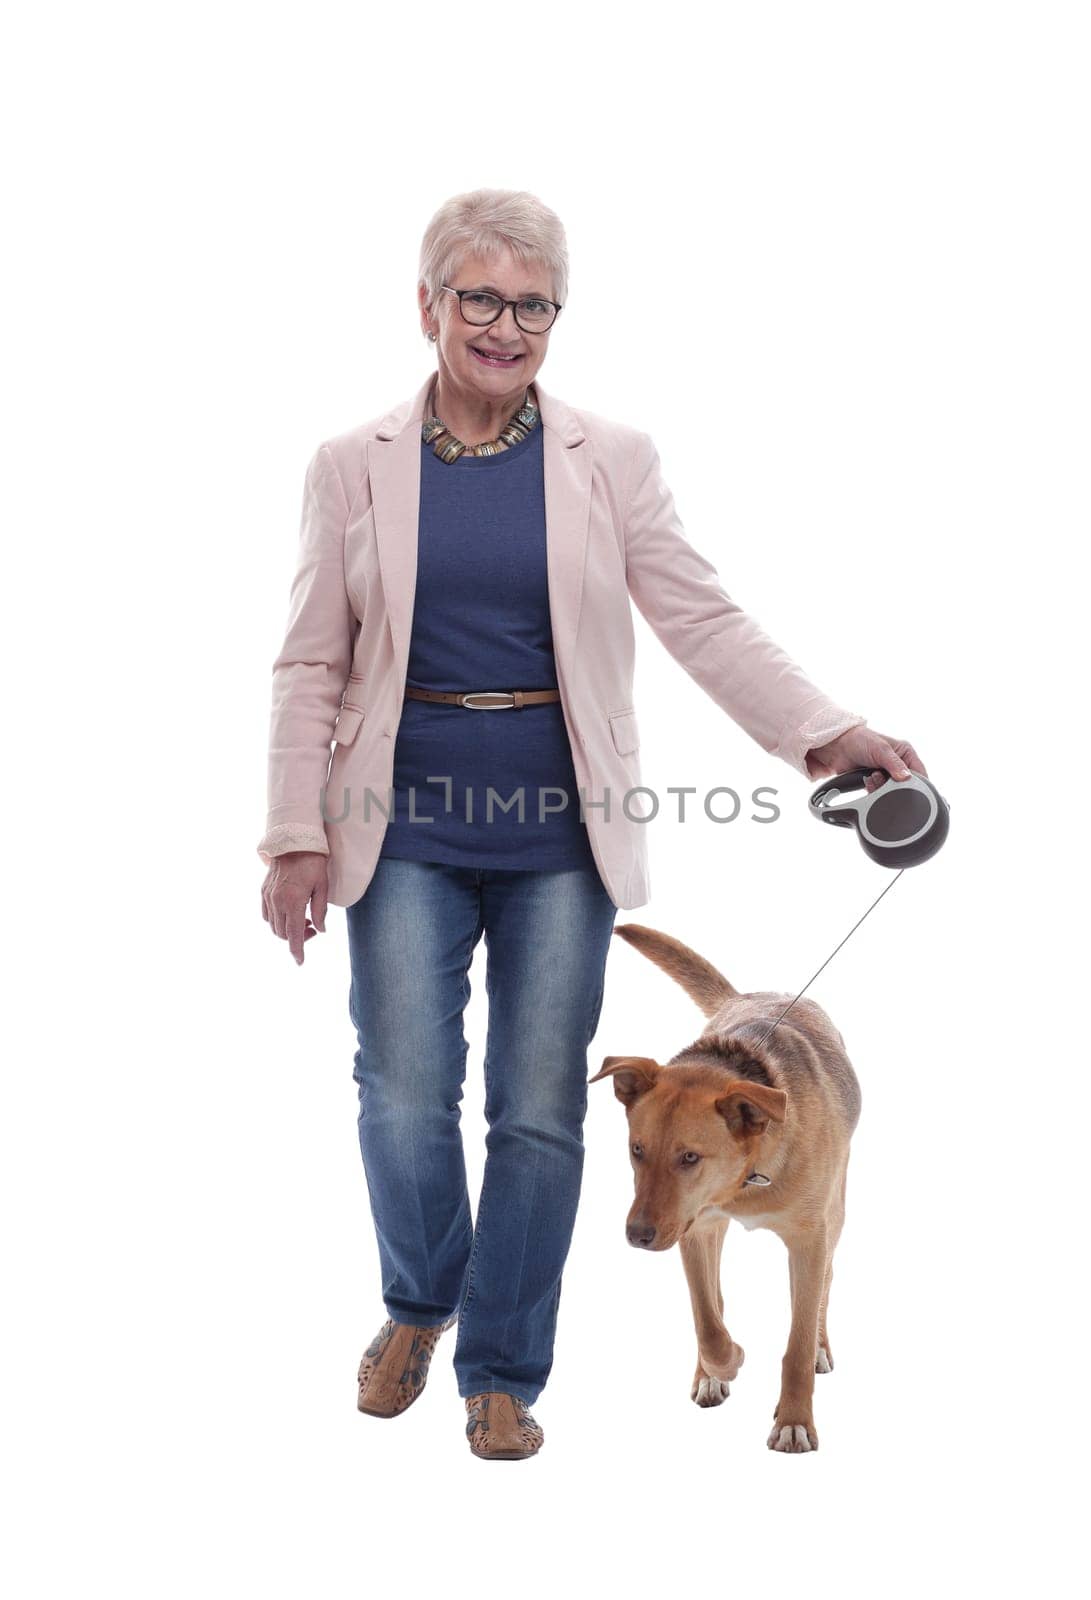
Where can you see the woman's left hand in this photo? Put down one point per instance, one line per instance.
(863, 747)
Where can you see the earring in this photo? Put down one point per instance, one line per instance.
(432, 337)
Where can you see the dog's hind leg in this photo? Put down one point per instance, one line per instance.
(718, 1356)
(824, 1356)
(793, 1420)
(824, 1360)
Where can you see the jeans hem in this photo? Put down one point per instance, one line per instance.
(417, 1319)
(499, 1386)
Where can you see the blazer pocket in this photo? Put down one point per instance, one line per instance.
(624, 729)
(348, 723)
(351, 715)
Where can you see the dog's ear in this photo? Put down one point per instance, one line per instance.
(632, 1075)
(748, 1107)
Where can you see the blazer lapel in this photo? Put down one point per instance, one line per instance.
(393, 464)
(393, 458)
(568, 456)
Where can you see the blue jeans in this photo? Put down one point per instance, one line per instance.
(412, 935)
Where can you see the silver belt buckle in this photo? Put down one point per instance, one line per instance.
(465, 700)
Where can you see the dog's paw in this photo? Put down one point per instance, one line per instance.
(824, 1362)
(721, 1360)
(793, 1438)
(708, 1391)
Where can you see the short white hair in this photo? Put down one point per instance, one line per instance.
(484, 222)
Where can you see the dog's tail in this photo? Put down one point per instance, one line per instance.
(698, 977)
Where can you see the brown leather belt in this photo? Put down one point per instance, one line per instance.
(495, 699)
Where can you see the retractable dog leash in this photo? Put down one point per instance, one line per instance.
(900, 824)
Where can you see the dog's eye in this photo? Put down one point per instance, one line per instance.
(690, 1158)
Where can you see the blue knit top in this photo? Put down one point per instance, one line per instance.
(481, 621)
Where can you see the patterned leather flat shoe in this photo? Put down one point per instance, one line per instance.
(394, 1367)
(501, 1428)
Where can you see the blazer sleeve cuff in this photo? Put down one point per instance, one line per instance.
(819, 728)
(289, 836)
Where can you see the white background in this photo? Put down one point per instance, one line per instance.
(834, 259)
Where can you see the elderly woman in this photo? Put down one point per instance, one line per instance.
(473, 551)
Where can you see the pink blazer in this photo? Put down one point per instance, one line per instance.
(612, 532)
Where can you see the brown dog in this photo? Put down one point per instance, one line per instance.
(735, 1127)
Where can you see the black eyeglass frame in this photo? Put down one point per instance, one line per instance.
(557, 309)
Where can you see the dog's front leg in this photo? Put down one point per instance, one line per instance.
(793, 1419)
(718, 1356)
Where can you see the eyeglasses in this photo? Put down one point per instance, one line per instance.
(480, 307)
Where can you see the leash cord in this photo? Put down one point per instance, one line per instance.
(832, 953)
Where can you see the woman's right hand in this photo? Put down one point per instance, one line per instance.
(293, 881)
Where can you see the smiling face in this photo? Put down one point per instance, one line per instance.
(694, 1137)
(475, 378)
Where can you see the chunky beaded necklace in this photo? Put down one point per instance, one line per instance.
(448, 448)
